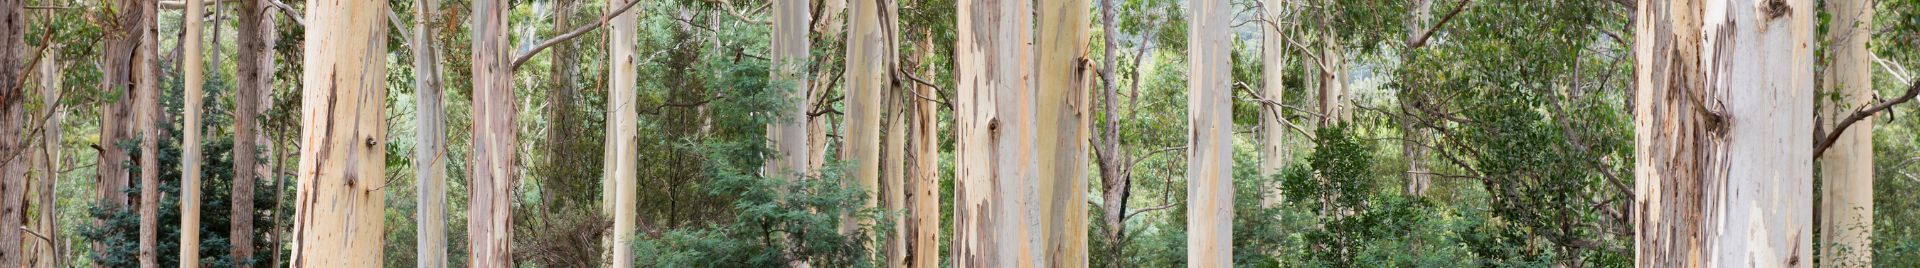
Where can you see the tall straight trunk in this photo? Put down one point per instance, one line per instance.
(894, 180)
(1723, 161)
(430, 142)
(50, 146)
(147, 107)
(922, 171)
(255, 79)
(13, 123)
(1063, 120)
(1273, 127)
(788, 134)
(489, 210)
(996, 168)
(624, 122)
(1846, 169)
(343, 130)
(818, 96)
(121, 59)
(1210, 149)
(869, 61)
(190, 148)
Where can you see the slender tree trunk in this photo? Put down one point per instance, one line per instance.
(489, 209)
(1846, 169)
(430, 142)
(1114, 183)
(147, 105)
(819, 126)
(13, 123)
(869, 59)
(255, 71)
(1273, 127)
(50, 146)
(894, 178)
(190, 148)
(624, 123)
(343, 131)
(1723, 161)
(1418, 181)
(561, 125)
(996, 167)
(1210, 153)
(922, 172)
(1063, 122)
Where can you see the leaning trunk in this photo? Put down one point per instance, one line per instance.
(996, 169)
(489, 207)
(1723, 161)
(1210, 148)
(343, 131)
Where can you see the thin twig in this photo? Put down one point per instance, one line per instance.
(522, 59)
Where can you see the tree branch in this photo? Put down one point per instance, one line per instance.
(1820, 146)
(1421, 40)
(522, 59)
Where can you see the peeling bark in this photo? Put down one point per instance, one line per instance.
(1723, 180)
(624, 123)
(996, 174)
(1210, 122)
(1063, 122)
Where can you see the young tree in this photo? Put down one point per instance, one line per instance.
(922, 171)
(1210, 149)
(1722, 177)
(995, 167)
(624, 163)
(343, 129)
(1846, 167)
(50, 146)
(255, 79)
(869, 62)
(790, 51)
(1063, 121)
(489, 209)
(13, 122)
(430, 146)
(190, 148)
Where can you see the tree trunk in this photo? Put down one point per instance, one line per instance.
(561, 123)
(624, 123)
(255, 70)
(430, 142)
(1846, 169)
(122, 57)
(1418, 181)
(869, 59)
(339, 218)
(1723, 162)
(147, 105)
(489, 209)
(894, 180)
(1063, 121)
(1273, 127)
(1210, 149)
(819, 126)
(13, 125)
(190, 148)
(996, 167)
(50, 146)
(922, 172)
(790, 46)
(1113, 162)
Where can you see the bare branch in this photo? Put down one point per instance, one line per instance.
(1421, 40)
(522, 59)
(1820, 146)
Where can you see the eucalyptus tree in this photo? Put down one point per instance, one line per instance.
(343, 106)
(190, 149)
(147, 111)
(1717, 178)
(1846, 168)
(1210, 122)
(869, 62)
(995, 168)
(430, 146)
(492, 170)
(1063, 121)
(624, 120)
